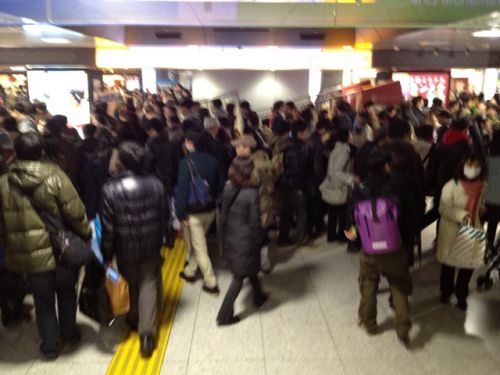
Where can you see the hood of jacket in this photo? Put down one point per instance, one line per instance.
(28, 175)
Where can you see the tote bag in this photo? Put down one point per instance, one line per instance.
(117, 288)
(469, 248)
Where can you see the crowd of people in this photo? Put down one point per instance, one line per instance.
(160, 164)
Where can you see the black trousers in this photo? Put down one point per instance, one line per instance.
(45, 286)
(293, 202)
(316, 211)
(460, 287)
(336, 222)
(493, 218)
(226, 311)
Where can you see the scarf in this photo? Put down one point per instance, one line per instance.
(473, 190)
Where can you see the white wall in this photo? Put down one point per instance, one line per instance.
(260, 88)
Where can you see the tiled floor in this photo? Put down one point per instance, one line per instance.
(308, 327)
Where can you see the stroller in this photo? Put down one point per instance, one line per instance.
(492, 274)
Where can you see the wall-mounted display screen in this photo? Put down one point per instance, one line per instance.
(64, 92)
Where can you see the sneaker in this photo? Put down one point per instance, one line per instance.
(445, 300)
(462, 305)
(404, 339)
(214, 290)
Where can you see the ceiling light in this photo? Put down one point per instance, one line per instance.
(396, 48)
(272, 48)
(18, 68)
(55, 40)
(347, 48)
(491, 33)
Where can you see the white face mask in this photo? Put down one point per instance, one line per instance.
(472, 172)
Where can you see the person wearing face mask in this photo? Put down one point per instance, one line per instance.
(462, 202)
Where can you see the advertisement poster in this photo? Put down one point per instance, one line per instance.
(427, 85)
(64, 92)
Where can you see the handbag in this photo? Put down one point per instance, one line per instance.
(93, 299)
(69, 248)
(469, 248)
(117, 289)
(200, 199)
(334, 196)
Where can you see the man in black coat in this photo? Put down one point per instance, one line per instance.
(292, 186)
(133, 226)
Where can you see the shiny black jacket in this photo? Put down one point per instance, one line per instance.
(133, 217)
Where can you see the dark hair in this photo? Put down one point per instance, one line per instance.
(376, 161)
(283, 127)
(4, 112)
(10, 124)
(299, 127)
(436, 102)
(217, 103)
(415, 100)
(342, 134)
(175, 120)
(495, 144)
(89, 131)
(56, 124)
(277, 105)
(230, 107)
(131, 155)
(452, 103)
(29, 146)
(19, 107)
(195, 136)
(460, 124)
(187, 103)
(40, 106)
(155, 124)
(290, 105)
(398, 129)
(343, 106)
(471, 156)
(424, 132)
(324, 125)
(445, 115)
(240, 171)
(364, 115)
(245, 105)
(203, 112)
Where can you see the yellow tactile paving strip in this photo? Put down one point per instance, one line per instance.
(127, 359)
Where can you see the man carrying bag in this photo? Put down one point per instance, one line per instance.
(28, 244)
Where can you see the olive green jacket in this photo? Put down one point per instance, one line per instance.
(22, 232)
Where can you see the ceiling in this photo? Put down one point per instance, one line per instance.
(379, 24)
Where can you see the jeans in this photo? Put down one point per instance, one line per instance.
(336, 215)
(143, 282)
(292, 203)
(45, 286)
(226, 311)
(460, 287)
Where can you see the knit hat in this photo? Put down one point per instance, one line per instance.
(245, 141)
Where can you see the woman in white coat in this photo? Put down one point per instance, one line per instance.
(340, 178)
(461, 202)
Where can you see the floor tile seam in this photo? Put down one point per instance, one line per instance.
(263, 343)
(322, 311)
(193, 332)
(30, 367)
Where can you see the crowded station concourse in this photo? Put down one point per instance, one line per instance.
(187, 212)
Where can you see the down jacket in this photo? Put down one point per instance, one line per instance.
(243, 235)
(27, 242)
(133, 217)
(452, 210)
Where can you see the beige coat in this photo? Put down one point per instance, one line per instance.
(262, 176)
(452, 210)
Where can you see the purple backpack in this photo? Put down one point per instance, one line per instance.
(378, 226)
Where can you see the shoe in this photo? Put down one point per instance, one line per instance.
(214, 290)
(6, 314)
(284, 243)
(444, 299)
(233, 320)
(371, 329)
(186, 278)
(70, 344)
(462, 305)
(404, 339)
(261, 300)
(353, 248)
(147, 345)
(50, 356)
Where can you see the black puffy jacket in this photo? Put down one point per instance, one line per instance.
(133, 217)
(294, 167)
